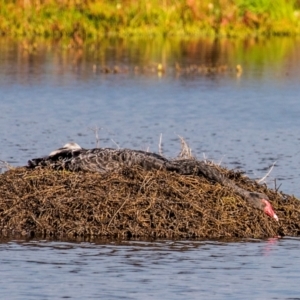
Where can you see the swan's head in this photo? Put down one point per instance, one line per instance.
(261, 201)
(268, 209)
(69, 146)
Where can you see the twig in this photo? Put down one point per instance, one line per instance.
(219, 164)
(275, 185)
(117, 212)
(115, 143)
(159, 145)
(186, 151)
(5, 164)
(96, 131)
(268, 173)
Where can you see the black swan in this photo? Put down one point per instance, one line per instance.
(74, 158)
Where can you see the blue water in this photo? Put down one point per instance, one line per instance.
(150, 270)
(249, 121)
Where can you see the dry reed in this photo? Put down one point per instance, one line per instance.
(137, 203)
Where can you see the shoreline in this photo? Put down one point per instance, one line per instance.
(94, 20)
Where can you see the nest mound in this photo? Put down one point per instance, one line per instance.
(137, 203)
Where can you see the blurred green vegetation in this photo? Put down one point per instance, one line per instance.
(82, 19)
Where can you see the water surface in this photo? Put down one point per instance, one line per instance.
(150, 270)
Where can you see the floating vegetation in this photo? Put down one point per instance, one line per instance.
(135, 203)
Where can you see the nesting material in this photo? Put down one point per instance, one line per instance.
(136, 203)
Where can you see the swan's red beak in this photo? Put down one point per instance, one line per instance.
(269, 210)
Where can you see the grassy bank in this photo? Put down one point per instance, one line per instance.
(83, 19)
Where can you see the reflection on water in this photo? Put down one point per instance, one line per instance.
(52, 93)
(150, 270)
(35, 62)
